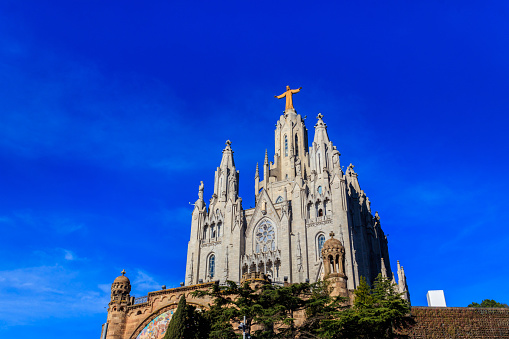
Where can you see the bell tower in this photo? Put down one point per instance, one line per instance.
(117, 308)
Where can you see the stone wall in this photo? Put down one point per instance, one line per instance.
(133, 318)
(459, 322)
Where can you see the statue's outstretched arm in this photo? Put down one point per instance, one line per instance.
(280, 96)
(296, 90)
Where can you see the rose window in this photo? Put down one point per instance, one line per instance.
(265, 237)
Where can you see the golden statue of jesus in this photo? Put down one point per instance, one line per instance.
(288, 94)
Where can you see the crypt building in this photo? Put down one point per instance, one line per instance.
(302, 194)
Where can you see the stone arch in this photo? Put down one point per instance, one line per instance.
(158, 312)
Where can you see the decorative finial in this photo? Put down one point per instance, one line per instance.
(123, 272)
(228, 142)
(320, 116)
(331, 234)
(266, 158)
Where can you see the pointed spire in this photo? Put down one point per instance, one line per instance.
(227, 159)
(257, 173)
(266, 161)
(402, 286)
(384, 269)
(321, 131)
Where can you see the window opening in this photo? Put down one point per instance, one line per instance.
(296, 145)
(212, 265)
(321, 241)
(265, 237)
(286, 146)
(212, 231)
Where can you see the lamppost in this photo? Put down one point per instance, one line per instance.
(243, 327)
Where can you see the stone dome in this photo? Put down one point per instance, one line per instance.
(332, 245)
(122, 279)
(121, 285)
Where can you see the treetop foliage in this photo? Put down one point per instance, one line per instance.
(304, 311)
(489, 303)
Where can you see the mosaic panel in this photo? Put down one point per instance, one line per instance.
(157, 327)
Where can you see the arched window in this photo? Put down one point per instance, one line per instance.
(320, 212)
(319, 167)
(279, 199)
(286, 146)
(321, 241)
(212, 266)
(296, 145)
(205, 229)
(326, 156)
(319, 189)
(219, 229)
(212, 231)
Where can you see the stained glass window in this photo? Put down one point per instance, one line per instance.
(321, 240)
(265, 237)
(212, 265)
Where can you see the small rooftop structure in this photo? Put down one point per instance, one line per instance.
(436, 298)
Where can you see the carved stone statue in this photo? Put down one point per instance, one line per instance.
(288, 94)
(232, 185)
(298, 167)
(200, 191)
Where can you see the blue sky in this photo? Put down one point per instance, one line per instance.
(111, 114)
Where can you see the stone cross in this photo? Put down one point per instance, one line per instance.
(123, 272)
(331, 234)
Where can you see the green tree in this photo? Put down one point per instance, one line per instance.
(177, 325)
(488, 303)
(187, 322)
(376, 313)
(268, 308)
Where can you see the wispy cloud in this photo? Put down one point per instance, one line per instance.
(62, 223)
(144, 283)
(54, 291)
(76, 112)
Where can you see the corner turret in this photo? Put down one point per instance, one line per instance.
(117, 308)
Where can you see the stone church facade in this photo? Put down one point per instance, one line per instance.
(302, 195)
(311, 221)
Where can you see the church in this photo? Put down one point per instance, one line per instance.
(302, 195)
(311, 221)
